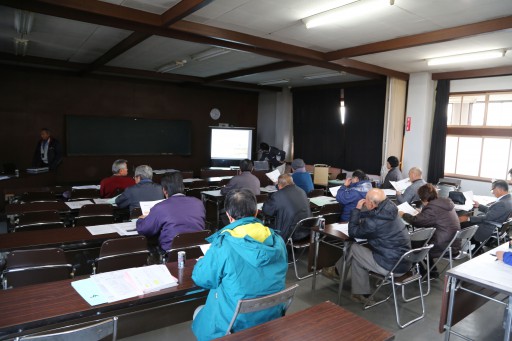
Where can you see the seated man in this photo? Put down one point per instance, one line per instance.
(177, 214)
(394, 173)
(246, 260)
(354, 189)
(144, 190)
(493, 216)
(300, 177)
(288, 205)
(273, 155)
(388, 238)
(112, 186)
(411, 193)
(243, 180)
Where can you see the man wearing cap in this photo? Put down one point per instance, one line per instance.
(301, 178)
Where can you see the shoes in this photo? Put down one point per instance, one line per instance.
(362, 299)
(330, 272)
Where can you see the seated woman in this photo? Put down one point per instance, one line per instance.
(353, 190)
(439, 213)
(177, 214)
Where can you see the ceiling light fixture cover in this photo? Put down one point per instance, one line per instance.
(275, 81)
(211, 53)
(350, 10)
(466, 57)
(23, 21)
(324, 75)
(172, 66)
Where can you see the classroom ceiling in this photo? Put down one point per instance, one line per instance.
(261, 41)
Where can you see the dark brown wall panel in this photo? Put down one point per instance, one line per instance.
(31, 99)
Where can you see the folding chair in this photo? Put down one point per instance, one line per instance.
(185, 242)
(135, 212)
(302, 235)
(331, 218)
(261, 198)
(95, 214)
(450, 181)
(444, 190)
(330, 208)
(84, 194)
(38, 197)
(121, 253)
(464, 236)
(502, 232)
(26, 267)
(38, 221)
(316, 192)
(83, 331)
(284, 297)
(414, 256)
(422, 236)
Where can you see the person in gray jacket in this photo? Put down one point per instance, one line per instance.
(143, 190)
(243, 180)
(411, 193)
(387, 236)
(394, 173)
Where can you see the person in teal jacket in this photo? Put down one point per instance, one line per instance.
(246, 260)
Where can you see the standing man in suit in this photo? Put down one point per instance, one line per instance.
(48, 151)
(144, 190)
(288, 205)
(493, 216)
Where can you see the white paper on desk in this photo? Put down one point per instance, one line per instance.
(102, 201)
(90, 291)
(163, 171)
(334, 190)
(322, 200)
(126, 229)
(401, 185)
(86, 187)
(259, 206)
(269, 189)
(389, 192)
(484, 199)
(214, 193)
(4, 177)
(204, 248)
(273, 175)
(343, 228)
(101, 229)
(76, 205)
(468, 205)
(116, 285)
(191, 180)
(406, 208)
(146, 206)
(152, 278)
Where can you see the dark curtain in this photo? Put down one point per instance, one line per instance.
(317, 129)
(364, 122)
(319, 136)
(438, 141)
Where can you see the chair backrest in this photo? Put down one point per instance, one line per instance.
(84, 194)
(284, 297)
(26, 267)
(31, 221)
(40, 206)
(444, 190)
(94, 220)
(331, 218)
(505, 227)
(261, 198)
(197, 184)
(38, 197)
(187, 242)
(330, 208)
(321, 175)
(467, 233)
(450, 181)
(415, 255)
(196, 192)
(422, 236)
(84, 331)
(122, 253)
(224, 182)
(317, 192)
(302, 229)
(95, 210)
(135, 212)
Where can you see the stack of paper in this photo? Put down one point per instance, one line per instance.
(76, 205)
(122, 284)
(401, 185)
(343, 228)
(146, 206)
(406, 208)
(87, 187)
(322, 200)
(389, 192)
(123, 229)
(273, 175)
(334, 190)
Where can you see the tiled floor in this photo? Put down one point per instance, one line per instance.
(484, 324)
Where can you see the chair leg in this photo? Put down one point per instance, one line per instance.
(295, 267)
(422, 307)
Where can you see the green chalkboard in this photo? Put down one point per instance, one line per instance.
(94, 135)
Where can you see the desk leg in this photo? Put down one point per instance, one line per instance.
(508, 317)
(316, 236)
(343, 271)
(452, 283)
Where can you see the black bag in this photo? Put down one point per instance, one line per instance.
(458, 198)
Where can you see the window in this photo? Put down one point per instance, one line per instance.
(479, 135)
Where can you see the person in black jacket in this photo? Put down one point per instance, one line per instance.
(273, 155)
(288, 205)
(394, 173)
(144, 189)
(48, 152)
(387, 236)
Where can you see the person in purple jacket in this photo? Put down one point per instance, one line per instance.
(505, 256)
(177, 214)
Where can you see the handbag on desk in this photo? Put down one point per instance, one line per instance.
(458, 198)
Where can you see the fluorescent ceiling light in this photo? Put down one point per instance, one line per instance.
(348, 11)
(324, 75)
(275, 81)
(23, 21)
(20, 46)
(467, 57)
(172, 66)
(211, 53)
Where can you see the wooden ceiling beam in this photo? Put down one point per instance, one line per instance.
(433, 37)
(478, 73)
(251, 71)
(351, 63)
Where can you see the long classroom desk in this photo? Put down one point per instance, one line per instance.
(40, 307)
(325, 321)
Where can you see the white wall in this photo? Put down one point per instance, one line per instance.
(420, 110)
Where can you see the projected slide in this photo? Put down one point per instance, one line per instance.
(231, 144)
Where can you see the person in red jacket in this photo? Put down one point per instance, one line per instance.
(114, 185)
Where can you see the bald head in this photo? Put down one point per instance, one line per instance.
(375, 196)
(415, 173)
(284, 180)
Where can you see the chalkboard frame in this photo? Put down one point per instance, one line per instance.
(107, 135)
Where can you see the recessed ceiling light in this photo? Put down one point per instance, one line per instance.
(466, 57)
